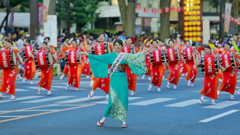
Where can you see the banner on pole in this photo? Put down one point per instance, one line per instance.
(45, 11)
(11, 21)
(50, 29)
(227, 17)
(40, 9)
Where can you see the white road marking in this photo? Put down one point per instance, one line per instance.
(152, 101)
(47, 110)
(218, 116)
(12, 116)
(46, 99)
(80, 99)
(19, 99)
(185, 103)
(222, 104)
(106, 101)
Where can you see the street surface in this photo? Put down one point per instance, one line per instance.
(70, 112)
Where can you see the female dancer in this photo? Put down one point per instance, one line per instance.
(75, 68)
(102, 83)
(229, 77)
(191, 57)
(86, 48)
(210, 80)
(147, 45)
(118, 93)
(132, 78)
(64, 48)
(9, 73)
(46, 73)
(29, 63)
(173, 65)
(157, 70)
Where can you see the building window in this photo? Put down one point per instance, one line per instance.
(208, 7)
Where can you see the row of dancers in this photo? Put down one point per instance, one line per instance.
(180, 60)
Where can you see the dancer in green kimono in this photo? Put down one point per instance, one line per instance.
(118, 92)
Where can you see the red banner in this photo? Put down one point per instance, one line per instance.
(28, 51)
(40, 10)
(126, 49)
(226, 62)
(209, 65)
(172, 59)
(42, 60)
(157, 57)
(188, 54)
(99, 49)
(5, 59)
(72, 58)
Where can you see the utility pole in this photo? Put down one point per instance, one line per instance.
(68, 19)
(221, 25)
(34, 26)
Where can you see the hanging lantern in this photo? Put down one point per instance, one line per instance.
(154, 10)
(145, 9)
(223, 15)
(159, 10)
(166, 9)
(138, 7)
(172, 8)
(179, 9)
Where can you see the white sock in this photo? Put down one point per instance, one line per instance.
(213, 100)
(1, 94)
(132, 93)
(49, 92)
(124, 122)
(12, 95)
(150, 86)
(202, 97)
(103, 119)
(92, 92)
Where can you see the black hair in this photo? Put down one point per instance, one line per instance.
(128, 38)
(219, 42)
(45, 43)
(207, 46)
(28, 40)
(228, 43)
(118, 41)
(102, 34)
(47, 38)
(155, 40)
(7, 40)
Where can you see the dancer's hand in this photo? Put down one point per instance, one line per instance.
(83, 53)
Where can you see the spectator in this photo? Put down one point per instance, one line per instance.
(20, 42)
(40, 38)
(122, 36)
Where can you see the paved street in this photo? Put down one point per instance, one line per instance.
(171, 112)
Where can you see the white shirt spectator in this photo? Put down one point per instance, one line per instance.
(20, 44)
(40, 39)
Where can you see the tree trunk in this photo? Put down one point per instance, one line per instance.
(180, 20)
(52, 7)
(128, 16)
(235, 15)
(165, 20)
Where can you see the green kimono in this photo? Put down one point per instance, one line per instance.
(118, 92)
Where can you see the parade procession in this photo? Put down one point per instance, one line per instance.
(147, 75)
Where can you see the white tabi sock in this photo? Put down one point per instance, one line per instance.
(103, 119)
(1, 94)
(124, 122)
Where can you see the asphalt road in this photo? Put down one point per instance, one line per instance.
(171, 112)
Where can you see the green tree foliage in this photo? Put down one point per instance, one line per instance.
(82, 11)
